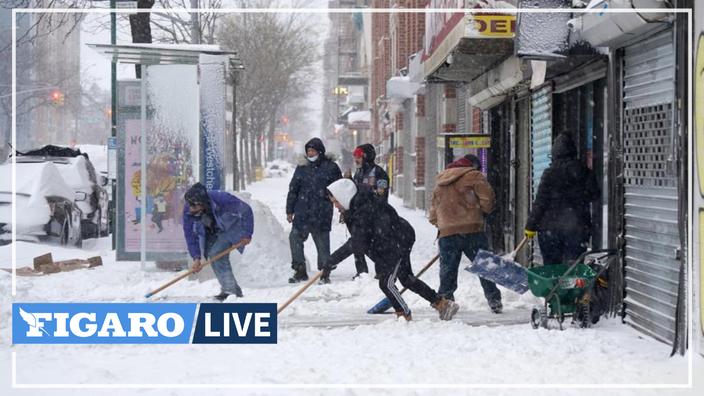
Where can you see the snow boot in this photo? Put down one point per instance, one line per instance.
(324, 279)
(401, 314)
(221, 297)
(496, 306)
(300, 275)
(446, 308)
(358, 275)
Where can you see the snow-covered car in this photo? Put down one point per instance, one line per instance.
(79, 174)
(45, 205)
(278, 168)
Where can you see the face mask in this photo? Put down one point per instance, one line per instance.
(313, 159)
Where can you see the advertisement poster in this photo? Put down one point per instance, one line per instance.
(168, 176)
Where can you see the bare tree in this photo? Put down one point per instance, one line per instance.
(181, 27)
(279, 52)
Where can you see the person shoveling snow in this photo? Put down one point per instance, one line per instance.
(379, 232)
(212, 222)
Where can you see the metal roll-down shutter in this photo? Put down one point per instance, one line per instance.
(652, 242)
(540, 143)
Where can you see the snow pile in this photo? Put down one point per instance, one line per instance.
(278, 168)
(265, 261)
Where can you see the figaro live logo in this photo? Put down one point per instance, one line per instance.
(140, 323)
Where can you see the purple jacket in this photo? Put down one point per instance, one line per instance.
(233, 216)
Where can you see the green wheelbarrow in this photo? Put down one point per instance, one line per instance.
(565, 290)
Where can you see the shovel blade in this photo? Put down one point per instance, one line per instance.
(380, 307)
(500, 270)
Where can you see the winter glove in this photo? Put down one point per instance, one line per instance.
(530, 234)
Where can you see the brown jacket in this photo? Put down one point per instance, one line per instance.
(461, 198)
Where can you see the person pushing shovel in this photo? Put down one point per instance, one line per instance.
(379, 232)
(213, 221)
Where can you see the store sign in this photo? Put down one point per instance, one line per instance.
(464, 142)
(281, 137)
(491, 26)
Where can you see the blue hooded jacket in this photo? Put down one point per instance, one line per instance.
(233, 217)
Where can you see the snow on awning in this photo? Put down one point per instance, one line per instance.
(359, 119)
(356, 95)
(614, 29)
(401, 87)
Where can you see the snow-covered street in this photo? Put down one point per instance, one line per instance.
(318, 340)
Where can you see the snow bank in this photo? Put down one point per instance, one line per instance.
(278, 168)
(265, 261)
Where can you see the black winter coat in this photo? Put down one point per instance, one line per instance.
(375, 230)
(307, 194)
(565, 193)
(372, 177)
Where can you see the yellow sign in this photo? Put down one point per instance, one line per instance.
(491, 26)
(477, 141)
(469, 141)
(340, 91)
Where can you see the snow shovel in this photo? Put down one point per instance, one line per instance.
(299, 292)
(502, 270)
(383, 305)
(190, 271)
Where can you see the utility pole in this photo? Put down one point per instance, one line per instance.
(235, 170)
(113, 114)
(195, 24)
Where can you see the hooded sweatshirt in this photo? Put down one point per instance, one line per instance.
(371, 176)
(461, 198)
(375, 227)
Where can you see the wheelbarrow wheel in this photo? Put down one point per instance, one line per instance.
(535, 317)
(539, 317)
(585, 316)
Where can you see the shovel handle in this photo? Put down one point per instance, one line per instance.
(190, 271)
(519, 247)
(422, 271)
(299, 292)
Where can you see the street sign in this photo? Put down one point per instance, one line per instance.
(112, 158)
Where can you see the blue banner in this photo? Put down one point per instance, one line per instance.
(143, 323)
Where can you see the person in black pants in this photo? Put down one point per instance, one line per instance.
(308, 209)
(377, 231)
(368, 176)
(561, 211)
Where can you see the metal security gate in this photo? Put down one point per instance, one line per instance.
(540, 143)
(652, 241)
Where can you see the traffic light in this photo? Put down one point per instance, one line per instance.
(57, 98)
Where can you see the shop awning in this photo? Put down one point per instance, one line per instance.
(359, 120)
(475, 44)
(616, 29)
(401, 87)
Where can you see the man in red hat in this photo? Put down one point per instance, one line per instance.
(368, 177)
